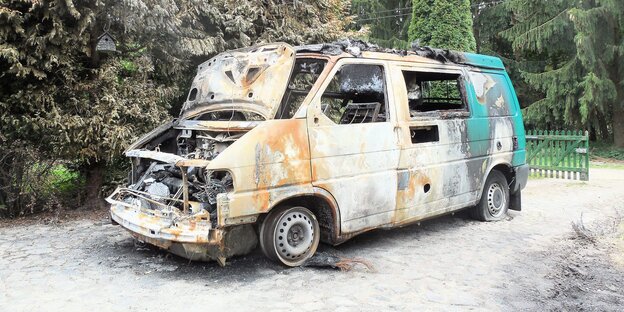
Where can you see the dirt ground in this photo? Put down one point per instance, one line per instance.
(534, 260)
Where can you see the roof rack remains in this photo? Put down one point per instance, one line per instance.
(355, 48)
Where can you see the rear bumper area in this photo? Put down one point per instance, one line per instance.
(190, 237)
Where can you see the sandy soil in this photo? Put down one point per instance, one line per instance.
(534, 260)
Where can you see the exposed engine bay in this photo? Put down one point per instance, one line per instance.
(169, 172)
(185, 172)
(166, 180)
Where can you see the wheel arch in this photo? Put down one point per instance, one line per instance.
(505, 168)
(324, 207)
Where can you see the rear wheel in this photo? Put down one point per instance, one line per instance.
(494, 199)
(289, 235)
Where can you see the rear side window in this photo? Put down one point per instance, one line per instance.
(356, 94)
(432, 92)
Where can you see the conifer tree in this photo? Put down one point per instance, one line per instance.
(387, 21)
(580, 44)
(443, 24)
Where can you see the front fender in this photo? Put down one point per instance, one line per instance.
(269, 163)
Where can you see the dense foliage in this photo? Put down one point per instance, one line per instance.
(443, 24)
(62, 100)
(563, 56)
(491, 17)
(385, 23)
(580, 45)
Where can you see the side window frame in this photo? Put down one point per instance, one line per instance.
(310, 92)
(314, 109)
(462, 83)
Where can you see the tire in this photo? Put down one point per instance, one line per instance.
(289, 235)
(494, 202)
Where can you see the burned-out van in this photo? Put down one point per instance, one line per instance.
(289, 146)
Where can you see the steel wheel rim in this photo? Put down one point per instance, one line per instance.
(496, 200)
(294, 235)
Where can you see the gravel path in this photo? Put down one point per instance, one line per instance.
(448, 263)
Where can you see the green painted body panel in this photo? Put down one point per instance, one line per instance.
(493, 101)
(483, 61)
(519, 157)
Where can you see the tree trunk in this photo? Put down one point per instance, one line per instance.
(618, 123)
(11, 186)
(603, 125)
(95, 179)
(618, 106)
(592, 134)
(5, 182)
(618, 111)
(17, 189)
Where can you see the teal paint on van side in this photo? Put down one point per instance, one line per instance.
(519, 156)
(509, 93)
(483, 61)
(497, 98)
(478, 129)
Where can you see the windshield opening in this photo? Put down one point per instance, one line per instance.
(304, 75)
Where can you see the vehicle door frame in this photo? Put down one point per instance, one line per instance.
(322, 161)
(424, 173)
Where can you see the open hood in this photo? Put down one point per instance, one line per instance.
(253, 78)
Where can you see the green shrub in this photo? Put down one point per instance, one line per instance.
(607, 150)
(64, 181)
(30, 184)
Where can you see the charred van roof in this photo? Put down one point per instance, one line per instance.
(356, 47)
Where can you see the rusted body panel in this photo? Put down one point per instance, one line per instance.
(356, 163)
(200, 182)
(269, 164)
(253, 78)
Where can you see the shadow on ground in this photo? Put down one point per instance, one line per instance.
(128, 254)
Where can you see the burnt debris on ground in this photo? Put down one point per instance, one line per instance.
(326, 259)
(585, 277)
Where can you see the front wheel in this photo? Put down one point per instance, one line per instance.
(494, 199)
(289, 235)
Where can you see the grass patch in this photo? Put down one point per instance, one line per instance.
(607, 165)
(606, 156)
(59, 182)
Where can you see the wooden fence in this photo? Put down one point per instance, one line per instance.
(558, 154)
